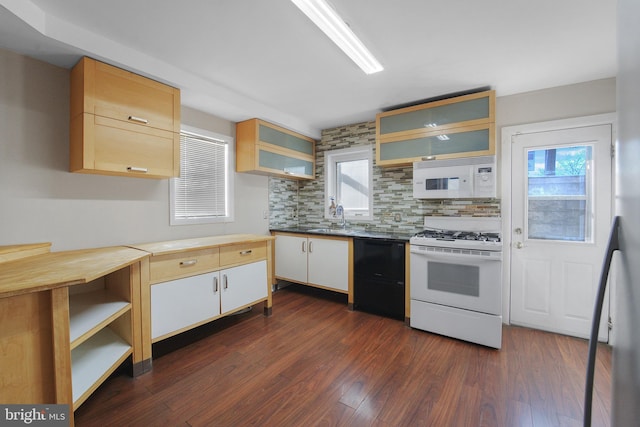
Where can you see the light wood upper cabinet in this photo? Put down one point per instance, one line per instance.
(265, 148)
(462, 126)
(123, 123)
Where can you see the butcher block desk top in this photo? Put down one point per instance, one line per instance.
(56, 269)
(13, 252)
(177, 246)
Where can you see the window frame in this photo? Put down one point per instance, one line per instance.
(229, 174)
(331, 158)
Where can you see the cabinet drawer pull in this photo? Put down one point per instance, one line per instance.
(247, 252)
(304, 246)
(136, 169)
(138, 120)
(215, 284)
(225, 282)
(188, 263)
(310, 247)
(429, 158)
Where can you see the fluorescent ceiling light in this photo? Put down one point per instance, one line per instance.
(326, 18)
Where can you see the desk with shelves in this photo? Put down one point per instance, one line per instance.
(69, 319)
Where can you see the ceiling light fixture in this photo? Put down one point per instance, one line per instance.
(326, 18)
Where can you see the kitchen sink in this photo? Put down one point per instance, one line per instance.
(347, 232)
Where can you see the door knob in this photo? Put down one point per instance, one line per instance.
(519, 245)
(518, 230)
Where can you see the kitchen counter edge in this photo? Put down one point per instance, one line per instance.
(359, 234)
(185, 245)
(41, 270)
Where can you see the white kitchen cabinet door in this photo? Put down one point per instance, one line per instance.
(243, 285)
(291, 258)
(180, 303)
(328, 263)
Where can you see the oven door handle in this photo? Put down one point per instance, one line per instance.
(451, 257)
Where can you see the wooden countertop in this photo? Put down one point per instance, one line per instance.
(42, 270)
(57, 269)
(176, 246)
(13, 252)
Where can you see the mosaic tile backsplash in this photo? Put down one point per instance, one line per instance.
(301, 203)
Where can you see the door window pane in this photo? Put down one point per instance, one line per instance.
(559, 201)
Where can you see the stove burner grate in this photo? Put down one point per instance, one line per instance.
(458, 235)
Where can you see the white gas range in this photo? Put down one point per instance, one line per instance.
(456, 279)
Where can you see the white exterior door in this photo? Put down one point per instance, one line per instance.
(561, 210)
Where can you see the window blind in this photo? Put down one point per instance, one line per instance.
(201, 190)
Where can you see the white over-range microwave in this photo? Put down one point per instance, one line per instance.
(471, 177)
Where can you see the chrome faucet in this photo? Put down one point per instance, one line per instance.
(340, 211)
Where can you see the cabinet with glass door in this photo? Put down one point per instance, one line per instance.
(264, 148)
(462, 126)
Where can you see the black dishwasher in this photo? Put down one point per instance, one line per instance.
(379, 276)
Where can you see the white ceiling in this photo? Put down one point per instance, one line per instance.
(239, 59)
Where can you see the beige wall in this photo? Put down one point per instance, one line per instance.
(577, 100)
(41, 201)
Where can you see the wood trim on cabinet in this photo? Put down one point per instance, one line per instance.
(268, 305)
(142, 319)
(407, 284)
(61, 347)
(27, 369)
(351, 279)
(246, 140)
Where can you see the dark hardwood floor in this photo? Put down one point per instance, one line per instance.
(314, 362)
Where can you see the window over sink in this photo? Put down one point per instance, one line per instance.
(349, 181)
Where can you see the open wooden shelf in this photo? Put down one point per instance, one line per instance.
(92, 311)
(94, 360)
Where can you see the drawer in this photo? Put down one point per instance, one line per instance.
(184, 264)
(243, 253)
(118, 147)
(128, 97)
